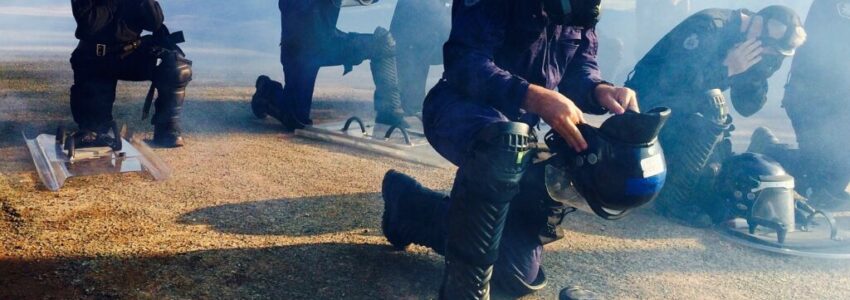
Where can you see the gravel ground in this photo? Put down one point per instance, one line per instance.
(254, 212)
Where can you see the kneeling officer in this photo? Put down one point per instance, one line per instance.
(111, 48)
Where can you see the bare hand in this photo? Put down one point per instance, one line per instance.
(616, 99)
(743, 57)
(746, 54)
(559, 112)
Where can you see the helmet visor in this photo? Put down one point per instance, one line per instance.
(561, 188)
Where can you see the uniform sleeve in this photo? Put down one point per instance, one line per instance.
(582, 75)
(151, 15)
(693, 62)
(477, 31)
(749, 97)
(91, 17)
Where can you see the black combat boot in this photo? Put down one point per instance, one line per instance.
(412, 213)
(264, 103)
(104, 135)
(167, 135)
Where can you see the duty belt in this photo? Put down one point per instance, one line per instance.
(102, 50)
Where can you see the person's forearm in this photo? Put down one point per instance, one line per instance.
(535, 98)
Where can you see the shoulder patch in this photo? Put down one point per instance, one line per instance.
(692, 42)
(844, 9)
(469, 3)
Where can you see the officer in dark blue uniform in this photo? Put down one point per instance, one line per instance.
(503, 61)
(816, 100)
(310, 40)
(711, 51)
(111, 48)
(420, 27)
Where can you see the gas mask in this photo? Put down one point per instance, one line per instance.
(583, 13)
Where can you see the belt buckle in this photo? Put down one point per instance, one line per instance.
(101, 50)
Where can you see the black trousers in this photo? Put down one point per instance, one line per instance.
(96, 78)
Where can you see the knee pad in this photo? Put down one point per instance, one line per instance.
(714, 106)
(688, 143)
(174, 72)
(499, 156)
(170, 79)
(384, 44)
(486, 183)
(384, 69)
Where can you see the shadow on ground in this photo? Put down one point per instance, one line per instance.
(293, 217)
(314, 271)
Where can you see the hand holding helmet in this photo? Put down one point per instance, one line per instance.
(622, 168)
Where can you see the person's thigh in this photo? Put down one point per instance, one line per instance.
(137, 66)
(452, 123)
(348, 49)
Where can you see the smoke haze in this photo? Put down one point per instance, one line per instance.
(236, 41)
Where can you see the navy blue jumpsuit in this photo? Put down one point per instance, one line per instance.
(496, 49)
(816, 98)
(310, 40)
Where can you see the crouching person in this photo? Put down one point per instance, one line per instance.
(310, 40)
(111, 48)
(502, 62)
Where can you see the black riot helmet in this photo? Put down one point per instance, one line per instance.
(756, 188)
(573, 12)
(622, 168)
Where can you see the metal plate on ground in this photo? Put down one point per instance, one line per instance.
(409, 144)
(54, 166)
(814, 243)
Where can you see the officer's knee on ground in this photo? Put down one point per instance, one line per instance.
(512, 282)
